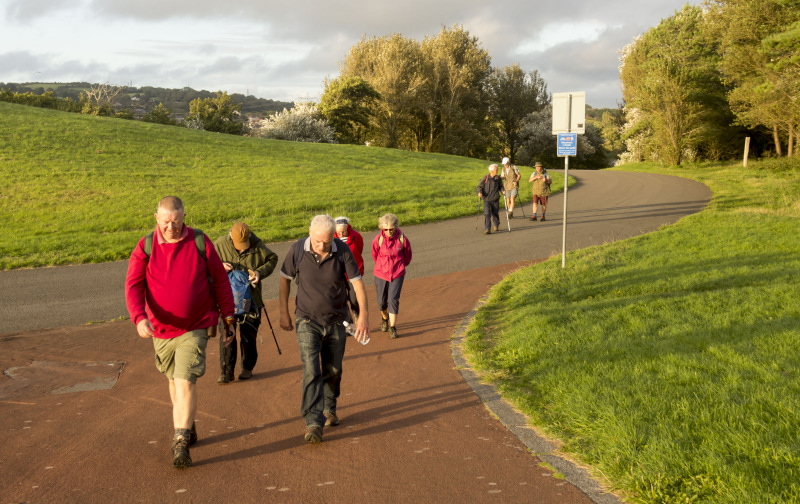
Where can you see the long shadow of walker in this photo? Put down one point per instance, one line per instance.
(382, 419)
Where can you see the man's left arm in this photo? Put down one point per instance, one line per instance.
(362, 324)
(270, 261)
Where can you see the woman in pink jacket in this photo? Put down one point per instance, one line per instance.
(391, 252)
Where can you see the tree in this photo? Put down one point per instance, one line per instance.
(452, 105)
(670, 77)
(513, 95)
(99, 99)
(218, 114)
(391, 64)
(347, 104)
(300, 124)
(760, 46)
(160, 115)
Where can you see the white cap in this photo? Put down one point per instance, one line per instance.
(506, 160)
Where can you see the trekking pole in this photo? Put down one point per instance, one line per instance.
(521, 207)
(480, 209)
(507, 220)
(271, 329)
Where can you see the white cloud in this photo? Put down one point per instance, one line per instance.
(284, 51)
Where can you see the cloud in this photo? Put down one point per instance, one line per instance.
(291, 48)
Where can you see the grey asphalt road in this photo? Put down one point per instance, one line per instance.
(603, 206)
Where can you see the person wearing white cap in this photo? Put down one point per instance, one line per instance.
(510, 175)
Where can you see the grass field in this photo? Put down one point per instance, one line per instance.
(669, 362)
(79, 188)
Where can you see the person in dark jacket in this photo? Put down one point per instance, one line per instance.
(490, 189)
(242, 250)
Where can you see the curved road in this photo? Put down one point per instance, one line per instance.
(604, 206)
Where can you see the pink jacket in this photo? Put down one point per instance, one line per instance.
(391, 257)
(171, 288)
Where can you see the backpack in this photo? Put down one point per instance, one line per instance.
(199, 241)
(402, 239)
(242, 298)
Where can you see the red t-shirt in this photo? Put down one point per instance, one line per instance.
(172, 288)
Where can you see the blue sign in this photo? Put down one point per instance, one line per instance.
(567, 144)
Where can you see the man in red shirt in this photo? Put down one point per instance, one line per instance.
(176, 289)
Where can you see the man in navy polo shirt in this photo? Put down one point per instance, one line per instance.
(322, 270)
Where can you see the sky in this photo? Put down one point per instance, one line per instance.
(284, 50)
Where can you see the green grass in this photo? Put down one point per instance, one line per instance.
(79, 188)
(668, 362)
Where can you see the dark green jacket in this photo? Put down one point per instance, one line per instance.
(257, 258)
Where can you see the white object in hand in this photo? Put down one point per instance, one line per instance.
(351, 330)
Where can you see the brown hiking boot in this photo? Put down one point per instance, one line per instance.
(393, 332)
(180, 453)
(245, 374)
(331, 419)
(494, 229)
(313, 434)
(193, 435)
(384, 324)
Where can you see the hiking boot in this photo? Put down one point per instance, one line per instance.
(494, 229)
(180, 453)
(511, 214)
(542, 219)
(384, 324)
(487, 232)
(533, 218)
(193, 435)
(393, 332)
(225, 378)
(246, 374)
(313, 434)
(331, 419)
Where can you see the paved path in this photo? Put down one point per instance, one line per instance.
(604, 206)
(413, 430)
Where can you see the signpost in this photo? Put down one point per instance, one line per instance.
(569, 120)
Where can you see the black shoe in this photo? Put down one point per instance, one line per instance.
(180, 453)
(384, 324)
(331, 419)
(313, 434)
(225, 378)
(392, 332)
(542, 219)
(511, 215)
(246, 374)
(193, 435)
(533, 218)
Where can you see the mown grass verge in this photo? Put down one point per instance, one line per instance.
(669, 362)
(79, 188)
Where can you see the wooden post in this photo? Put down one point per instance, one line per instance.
(746, 151)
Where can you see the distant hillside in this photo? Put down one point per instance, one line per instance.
(146, 98)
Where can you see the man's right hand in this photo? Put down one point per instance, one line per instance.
(229, 336)
(145, 329)
(227, 267)
(286, 322)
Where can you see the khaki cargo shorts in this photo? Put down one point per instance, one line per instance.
(183, 357)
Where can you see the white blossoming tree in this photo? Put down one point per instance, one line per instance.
(300, 124)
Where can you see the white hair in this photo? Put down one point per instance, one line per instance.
(388, 220)
(492, 167)
(324, 222)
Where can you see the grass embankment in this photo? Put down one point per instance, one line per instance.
(80, 189)
(669, 362)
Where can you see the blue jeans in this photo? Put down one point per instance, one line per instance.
(321, 351)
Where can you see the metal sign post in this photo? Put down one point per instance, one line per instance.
(569, 117)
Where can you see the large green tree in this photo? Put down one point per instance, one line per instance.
(670, 77)
(347, 104)
(513, 95)
(760, 47)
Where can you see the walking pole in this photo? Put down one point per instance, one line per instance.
(520, 203)
(507, 221)
(480, 208)
(271, 329)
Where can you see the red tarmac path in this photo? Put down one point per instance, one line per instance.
(413, 429)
